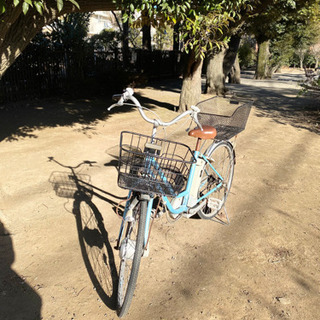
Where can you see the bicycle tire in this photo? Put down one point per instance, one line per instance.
(128, 266)
(222, 156)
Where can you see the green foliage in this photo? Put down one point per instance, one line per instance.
(107, 39)
(70, 31)
(281, 50)
(38, 5)
(247, 55)
(67, 34)
(203, 24)
(294, 45)
(272, 19)
(135, 37)
(163, 38)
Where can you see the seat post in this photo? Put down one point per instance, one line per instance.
(198, 144)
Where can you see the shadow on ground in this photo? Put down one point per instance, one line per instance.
(17, 299)
(22, 119)
(93, 236)
(283, 105)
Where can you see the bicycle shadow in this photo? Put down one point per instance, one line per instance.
(96, 249)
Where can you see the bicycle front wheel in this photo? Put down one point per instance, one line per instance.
(218, 174)
(131, 250)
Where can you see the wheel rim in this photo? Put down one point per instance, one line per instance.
(126, 264)
(130, 263)
(222, 160)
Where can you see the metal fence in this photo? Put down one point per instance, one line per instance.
(36, 73)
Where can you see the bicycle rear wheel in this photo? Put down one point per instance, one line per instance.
(131, 250)
(222, 157)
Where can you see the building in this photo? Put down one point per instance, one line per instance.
(101, 20)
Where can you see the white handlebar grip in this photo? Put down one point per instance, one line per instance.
(130, 91)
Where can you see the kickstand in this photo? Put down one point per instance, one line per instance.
(222, 217)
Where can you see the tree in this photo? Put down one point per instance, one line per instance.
(69, 34)
(21, 20)
(202, 25)
(163, 38)
(315, 52)
(273, 19)
(146, 31)
(106, 40)
(246, 52)
(220, 64)
(304, 36)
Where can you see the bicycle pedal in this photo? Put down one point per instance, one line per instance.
(214, 203)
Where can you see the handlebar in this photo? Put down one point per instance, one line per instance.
(128, 95)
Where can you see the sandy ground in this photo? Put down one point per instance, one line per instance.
(57, 261)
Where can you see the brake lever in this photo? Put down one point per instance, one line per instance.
(194, 116)
(112, 106)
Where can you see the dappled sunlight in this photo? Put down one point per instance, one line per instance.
(280, 101)
(23, 119)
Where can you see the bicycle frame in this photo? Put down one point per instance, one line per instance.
(184, 195)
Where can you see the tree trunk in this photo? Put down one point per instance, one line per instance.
(272, 70)
(146, 37)
(125, 43)
(176, 37)
(216, 80)
(231, 54)
(17, 29)
(191, 85)
(263, 60)
(235, 72)
(146, 32)
(215, 76)
(301, 59)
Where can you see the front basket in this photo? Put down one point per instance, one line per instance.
(153, 165)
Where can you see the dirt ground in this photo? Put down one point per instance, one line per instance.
(59, 262)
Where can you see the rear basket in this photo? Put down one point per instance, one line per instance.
(228, 115)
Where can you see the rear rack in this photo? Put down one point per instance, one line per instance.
(228, 115)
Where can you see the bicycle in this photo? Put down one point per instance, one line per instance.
(162, 174)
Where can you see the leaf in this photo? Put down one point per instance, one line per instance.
(25, 7)
(15, 2)
(125, 18)
(39, 6)
(29, 2)
(59, 4)
(75, 3)
(131, 7)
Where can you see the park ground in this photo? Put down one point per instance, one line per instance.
(59, 262)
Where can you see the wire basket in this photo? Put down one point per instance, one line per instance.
(228, 115)
(64, 183)
(154, 166)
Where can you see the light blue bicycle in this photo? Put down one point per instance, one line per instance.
(166, 175)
